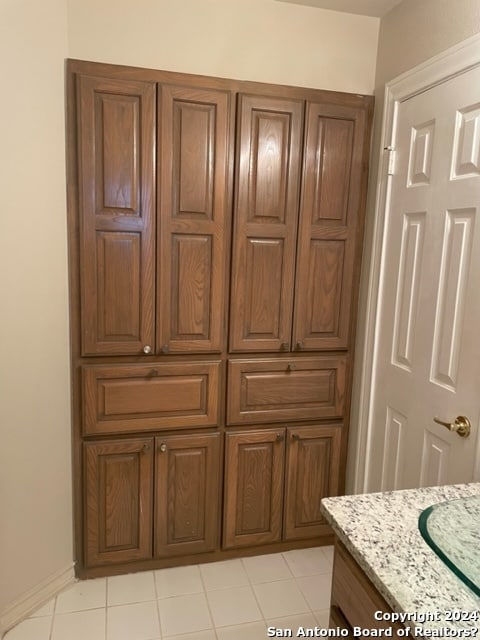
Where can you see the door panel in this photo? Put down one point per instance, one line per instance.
(268, 160)
(194, 147)
(117, 200)
(187, 494)
(119, 493)
(428, 362)
(313, 465)
(329, 223)
(253, 487)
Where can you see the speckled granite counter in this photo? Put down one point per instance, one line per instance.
(380, 530)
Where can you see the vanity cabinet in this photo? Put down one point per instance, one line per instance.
(215, 233)
(274, 481)
(355, 599)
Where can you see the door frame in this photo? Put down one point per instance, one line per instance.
(448, 64)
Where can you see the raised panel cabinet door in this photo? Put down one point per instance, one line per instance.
(187, 494)
(331, 217)
(253, 499)
(313, 471)
(194, 218)
(118, 481)
(116, 127)
(265, 223)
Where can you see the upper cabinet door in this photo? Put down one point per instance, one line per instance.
(194, 214)
(268, 177)
(328, 226)
(117, 205)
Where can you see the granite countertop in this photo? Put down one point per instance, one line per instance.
(381, 532)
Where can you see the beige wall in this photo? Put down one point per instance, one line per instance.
(35, 483)
(413, 32)
(259, 40)
(250, 39)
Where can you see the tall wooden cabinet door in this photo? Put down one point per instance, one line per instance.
(313, 468)
(118, 500)
(253, 498)
(187, 494)
(116, 120)
(329, 244)
(194, 215)
(266, 209)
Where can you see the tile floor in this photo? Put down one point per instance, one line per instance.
(230, 600)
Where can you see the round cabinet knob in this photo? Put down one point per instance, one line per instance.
(147, 349)
(165, 348)
(163, 447)
(299, 346)
(291, 366)
(284, 346)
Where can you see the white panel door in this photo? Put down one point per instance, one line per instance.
(427, 361)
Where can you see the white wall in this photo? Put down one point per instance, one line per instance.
(35, 469)
(259, 40)
(410, 34)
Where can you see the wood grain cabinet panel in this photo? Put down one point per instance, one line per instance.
(118, 498)
(123, 398)
(187, 493)
(254, 471)
(116, 209)
(193, 218)
(313, 461)
(265, 220)
(328, 245)
(267, 390)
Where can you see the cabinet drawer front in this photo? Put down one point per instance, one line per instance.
(147, 397)
(294, 389)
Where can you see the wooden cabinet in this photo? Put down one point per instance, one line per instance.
(274, 482)
(355, 599)
(279, 240)
(215, 233)
(193, 218)
(170, 482)
(118, 497)
(187, 493)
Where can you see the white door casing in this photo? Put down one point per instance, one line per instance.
(422, 354)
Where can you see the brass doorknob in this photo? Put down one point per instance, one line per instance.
(461, 426)
(147, 349)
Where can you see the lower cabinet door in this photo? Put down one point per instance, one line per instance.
(186, 494)
(118, 500)
(253, 487)
(313, 466)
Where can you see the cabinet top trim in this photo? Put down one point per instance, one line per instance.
(100, 69)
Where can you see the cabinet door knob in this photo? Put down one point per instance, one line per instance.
(165, 348)
(291, 366)
(279, 437)
(163, 447)
(295, 436)
(145, 448)
(284, 346)
(299, 345)
(147, 349)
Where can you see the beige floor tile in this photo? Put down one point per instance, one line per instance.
(184, 614)
(46, 610)
(178, 581)
(308, 562)
(131, 588)
(133, 622)
(267, 568)
(198, 635)
(83, 595)
(316, 591)
(250, 631)
(233, 606)
(280, 599)
(223, 575)
(293, 623)
(80, 625)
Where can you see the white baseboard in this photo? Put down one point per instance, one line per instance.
(35, 598)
